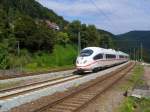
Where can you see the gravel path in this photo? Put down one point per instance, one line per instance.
(147, 75)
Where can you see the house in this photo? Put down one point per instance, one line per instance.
(52, 25)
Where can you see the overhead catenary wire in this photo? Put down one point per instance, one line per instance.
(145, 9)
(100, 12)
(135, 42)
(114, 10)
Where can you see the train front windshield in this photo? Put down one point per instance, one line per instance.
(86, 52)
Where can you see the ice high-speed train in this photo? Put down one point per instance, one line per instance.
(94, 58)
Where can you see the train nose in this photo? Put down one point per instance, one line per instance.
(81, 61)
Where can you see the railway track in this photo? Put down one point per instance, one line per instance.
(20, 75)
(76, 100)
(19, 90)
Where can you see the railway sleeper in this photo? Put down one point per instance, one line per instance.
(86, 96)
(75, 102)
(57, 110)
(71, 104)
(64, 107)
(78, 98)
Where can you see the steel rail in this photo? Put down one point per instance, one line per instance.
(87, 96)
(11, 92)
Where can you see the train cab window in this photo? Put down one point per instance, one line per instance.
(120, 56)
(110, 56)
(98, 56)
(86, 52)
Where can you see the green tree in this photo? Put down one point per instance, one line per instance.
(62, 38)
(106, 41)
(24, 27)
(3, 56)
(73, 29)
(42, 40)
(92, 35)
(84, 36)
(33, 36)
(3, 30)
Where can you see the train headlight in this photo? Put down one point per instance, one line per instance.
(84, 61)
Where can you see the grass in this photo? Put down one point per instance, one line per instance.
(132, 104)
(46, 69)
(135, 78)
(62, 57)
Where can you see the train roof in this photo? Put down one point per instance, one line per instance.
(101, 50)
(122, 53)
(94, 48)
(107, 51)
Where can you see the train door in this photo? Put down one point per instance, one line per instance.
(98, 59)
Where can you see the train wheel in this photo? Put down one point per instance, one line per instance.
(95, 70)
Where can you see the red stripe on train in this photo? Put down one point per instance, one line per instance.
(98, 61)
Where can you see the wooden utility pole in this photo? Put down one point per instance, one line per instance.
(141, 51)
(18, 48)
(79, 42)
(134, 54)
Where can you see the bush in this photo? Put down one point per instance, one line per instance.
(3, 57)
(16, 61)
(60, 57)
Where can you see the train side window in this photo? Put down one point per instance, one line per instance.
(121, 56)
(98, 56)
(110, 56)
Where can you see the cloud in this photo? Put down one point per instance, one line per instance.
(116, 16)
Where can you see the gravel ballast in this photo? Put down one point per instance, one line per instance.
(32, 79)
(7, 104)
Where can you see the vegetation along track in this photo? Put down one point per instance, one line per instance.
(11, 92)
(76, 100)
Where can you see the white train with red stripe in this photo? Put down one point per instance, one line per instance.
(94, 58)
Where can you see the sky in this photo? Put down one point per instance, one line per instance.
(115, 16)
